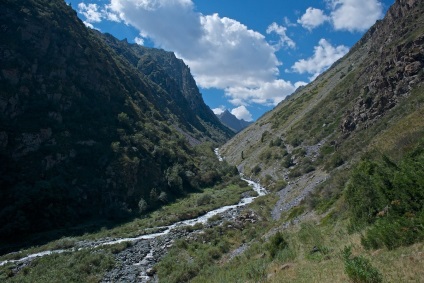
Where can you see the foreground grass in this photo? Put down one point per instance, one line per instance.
(314, 254)
(81, 266)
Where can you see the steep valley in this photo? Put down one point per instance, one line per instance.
(109, 162)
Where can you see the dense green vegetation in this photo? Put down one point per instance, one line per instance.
(388, 197)
(359, 269)
(90, 132)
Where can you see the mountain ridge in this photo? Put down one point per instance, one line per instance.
(231, 121)
(356, 92)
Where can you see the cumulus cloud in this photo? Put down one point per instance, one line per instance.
(91, 12)
(229, 54)
(95, 14)
(312, 18)
(350, 15)
(281, 32)
(324, 56)
(172, 25)
(241, 112)
(89, 25)
(268, 93)
(139, 40)
(221, 52)
(219, 110)
(355, 15)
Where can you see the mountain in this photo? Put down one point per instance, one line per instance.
(347, 110)
(90, 126)
(173, 76)
(90, 131)
(232, 122)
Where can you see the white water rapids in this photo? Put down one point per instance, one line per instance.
(166, 229)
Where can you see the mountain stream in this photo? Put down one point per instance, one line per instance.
(147, 248)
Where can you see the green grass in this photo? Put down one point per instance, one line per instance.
(81, 266)
(181, 209)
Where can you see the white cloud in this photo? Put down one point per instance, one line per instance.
(268, 93)
(350, 15)
(95, 14)
(355, 15)
(241, 112)
(324, 56)
(91, 12)
(108, 14)
(312, 18)
(288, 23)
(221, 52)
(281, 32)
(219, 110)
(172, 25)
(87, 24)
(229, 54)
(139, 41)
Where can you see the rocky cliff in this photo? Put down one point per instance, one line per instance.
(394, 67)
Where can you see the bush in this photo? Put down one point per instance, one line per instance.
(389, 197)
(287, 161)
(393, 232)
(278, 185)
(204, 199)
(142, 205)
(335, 161)
(276, 244)
(256, 169)
(295, 173)
(359, 269)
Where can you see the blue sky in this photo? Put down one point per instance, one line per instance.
(245, 55)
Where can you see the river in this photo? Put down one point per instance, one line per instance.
(164, 230)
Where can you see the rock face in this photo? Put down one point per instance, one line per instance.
(232, 122)
(397, 65)
(90, 125)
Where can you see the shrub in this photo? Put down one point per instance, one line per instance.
(287, 161)
(388, 197)
(359, 269)
(393, 232)
(256, 169)
(335, 161)
(296, 142)
(204, 199)
(142, 205)
(278, 185)
(295, 173)
(276, 244)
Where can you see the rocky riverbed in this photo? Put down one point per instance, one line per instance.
(136, 263)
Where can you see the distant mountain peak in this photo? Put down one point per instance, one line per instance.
(232, 121)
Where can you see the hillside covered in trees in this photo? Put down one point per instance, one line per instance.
(91, 126)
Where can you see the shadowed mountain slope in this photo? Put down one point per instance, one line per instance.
(90, 125)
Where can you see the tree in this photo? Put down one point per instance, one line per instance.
(142, 205)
